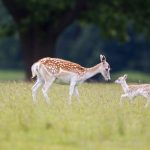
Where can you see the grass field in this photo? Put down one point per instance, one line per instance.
(97, 123)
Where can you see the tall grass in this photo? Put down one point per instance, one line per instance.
(98, 122)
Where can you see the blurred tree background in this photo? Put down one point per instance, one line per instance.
(75, 30)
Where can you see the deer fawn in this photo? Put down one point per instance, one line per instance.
(48, 70)
(131, 91)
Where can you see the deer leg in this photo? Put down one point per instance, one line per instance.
(77, 93)
(122, 97)
(46, 87)
(35, 88)
(71, 90)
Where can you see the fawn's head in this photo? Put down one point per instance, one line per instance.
(105, 68)
(121, 79)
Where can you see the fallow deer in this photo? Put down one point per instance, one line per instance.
(48, 70)
(131, 91)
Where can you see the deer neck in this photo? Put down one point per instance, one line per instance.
(90, 72)
(125, 87)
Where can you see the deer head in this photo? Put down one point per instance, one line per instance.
(105, 68)
(121, 79)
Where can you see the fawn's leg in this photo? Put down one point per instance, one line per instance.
(77, 93)
(71, 90)
(123, 96)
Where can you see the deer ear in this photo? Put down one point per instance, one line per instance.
(102, 58)
(125, 76)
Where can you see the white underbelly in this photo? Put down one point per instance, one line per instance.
(63, 80)
(64, 77)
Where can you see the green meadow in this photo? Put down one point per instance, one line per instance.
(97, 123)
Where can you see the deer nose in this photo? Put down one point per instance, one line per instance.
(109, 79)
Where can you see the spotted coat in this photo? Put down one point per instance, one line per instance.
(55, 64)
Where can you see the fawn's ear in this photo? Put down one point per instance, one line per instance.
(102, 58)
(125, 76)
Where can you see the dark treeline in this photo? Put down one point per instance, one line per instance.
(75, 30)
(83, 45)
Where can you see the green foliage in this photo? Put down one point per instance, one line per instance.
(10, 53)
(43, 11)
(98, 122)
(40, 23)
(7, 27)
(112, 16)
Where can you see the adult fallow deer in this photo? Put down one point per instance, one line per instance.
(48, 70)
